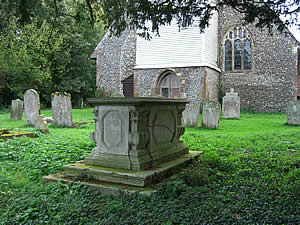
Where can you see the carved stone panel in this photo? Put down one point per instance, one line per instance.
(114, 127)
(163, 127)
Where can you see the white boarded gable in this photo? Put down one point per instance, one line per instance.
(184, 48)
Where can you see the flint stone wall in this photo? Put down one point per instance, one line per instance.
(197, 83)
(31, 106)
(62, 109)
(293, 113)
(270, 85)
(115, 59)
(16, 110)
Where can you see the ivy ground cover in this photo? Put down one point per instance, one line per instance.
(249, 174)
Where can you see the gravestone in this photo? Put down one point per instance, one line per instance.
(190, 115)
(231, 105)
(31, 106)
(293, 113)
(211, 115)
(41, 123)
(62, 109)
(16, 110)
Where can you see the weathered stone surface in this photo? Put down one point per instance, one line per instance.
(31, 106)
(16, 110)
(231, 105)
(191, 115)
(62, 109)
(136, 133)
(293, 113)
(211, 115)
(41, 123)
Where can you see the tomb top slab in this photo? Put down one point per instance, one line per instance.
(134, 101)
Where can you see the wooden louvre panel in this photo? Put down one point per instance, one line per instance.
(128, 86)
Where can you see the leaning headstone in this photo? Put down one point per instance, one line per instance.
(211, 115)
(190, 115)
(62, 109)
(41, 123)
(293, 113)
(16, 110)
(31, 106)
(231, 105)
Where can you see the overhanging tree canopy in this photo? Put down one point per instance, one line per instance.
(132, 13)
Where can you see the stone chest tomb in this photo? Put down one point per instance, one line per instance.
(138, 133)
(137, 142)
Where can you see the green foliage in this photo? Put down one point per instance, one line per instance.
(46, 46)
(25, 55)
(195, 174)
(242, 178)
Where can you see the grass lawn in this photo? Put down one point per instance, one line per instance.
(249, 174)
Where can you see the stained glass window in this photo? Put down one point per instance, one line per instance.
(237, 55)
(228, 55)
(237, 50)
(247, 55)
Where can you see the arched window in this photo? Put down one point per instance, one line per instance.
(237, 50)
(169, 85)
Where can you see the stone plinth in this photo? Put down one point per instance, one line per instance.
(231, 105)
(31, 106)
(62, 109)
(16, 110)
(136, 133)
(293, 113)
(191, 115)
(211, 115)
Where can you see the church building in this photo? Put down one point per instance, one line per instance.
(262, 67)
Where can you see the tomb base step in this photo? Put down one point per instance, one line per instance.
(112, 181)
